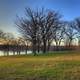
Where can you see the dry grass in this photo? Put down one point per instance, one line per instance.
(58, 67)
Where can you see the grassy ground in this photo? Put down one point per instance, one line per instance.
(53, 66)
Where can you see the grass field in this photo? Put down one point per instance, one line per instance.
(53, 66)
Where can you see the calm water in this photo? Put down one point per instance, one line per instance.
(11, 53)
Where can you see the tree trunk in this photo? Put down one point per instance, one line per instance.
(57, 48)
(34, 47)
(26, 48)
(38, 46)
(48, 47)
(44, 46)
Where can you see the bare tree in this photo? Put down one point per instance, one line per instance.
(38, 26)
(29, 27)
(47, 25)
(58, 36)
(8, 37)
(77, 27)
(70, 33)
(22, 43)
(77, 24)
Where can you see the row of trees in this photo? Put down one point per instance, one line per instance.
(43, 27)
(8, 43)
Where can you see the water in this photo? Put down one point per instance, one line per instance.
(2, 53)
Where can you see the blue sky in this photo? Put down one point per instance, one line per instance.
(70, 9)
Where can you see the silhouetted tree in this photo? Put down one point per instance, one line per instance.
(59, 35)
(37, 26)
(8, 38)
(77, 27)
(70, 33)
(29, 27)
(48, 23)
(14, 43)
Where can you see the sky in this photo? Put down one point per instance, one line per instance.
(69, 9)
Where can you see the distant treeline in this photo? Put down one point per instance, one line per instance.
(14, 48)
(23, 48)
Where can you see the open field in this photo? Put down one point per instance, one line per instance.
(56, 66)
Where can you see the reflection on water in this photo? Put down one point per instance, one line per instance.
(2, 53)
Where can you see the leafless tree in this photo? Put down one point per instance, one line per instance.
(47, 25)
(77, 27)
(8, 37)
(38, 26)
(28, 26)
(70, 33)
(58, 36)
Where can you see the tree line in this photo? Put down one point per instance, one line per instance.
(9, 43)
(41, 28)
